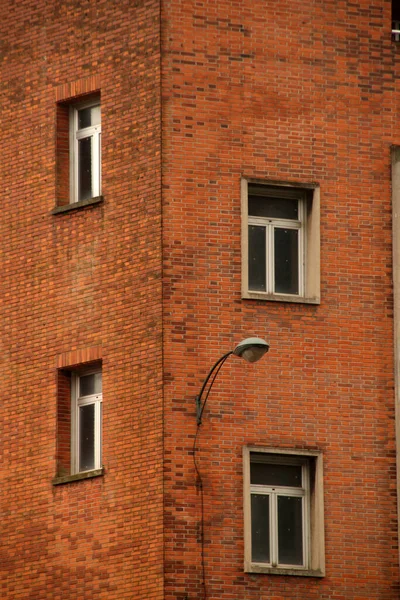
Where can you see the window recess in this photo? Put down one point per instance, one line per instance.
(79, 427)
(283, 512)
(86, 409)
(78, 153)
(280, 242)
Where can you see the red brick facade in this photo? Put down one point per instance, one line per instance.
(195, 97)
(78, 287)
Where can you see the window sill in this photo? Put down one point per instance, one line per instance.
(280, 298)
(76, 205)
(284, 571)
(78, 476)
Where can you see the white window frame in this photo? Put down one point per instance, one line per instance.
(312, 507)
(307, 224)
(76, 402)
(94, 131)
(270, 224)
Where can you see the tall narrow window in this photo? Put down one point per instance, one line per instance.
(85, 151)
(86, 419)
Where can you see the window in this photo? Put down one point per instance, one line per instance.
(395, 20)
(86, 421)
(283, 512)
(280, 237)
(85, 154)
(79, 422)
(78, 153)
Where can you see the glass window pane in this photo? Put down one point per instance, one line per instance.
(84, 118)
(273, 208)
(89, 116)
(275, 474)
(260, 551)
(85, 168)
(90, 384)
(257, 258)
(86, 437)
(290, 530)
(286, 257)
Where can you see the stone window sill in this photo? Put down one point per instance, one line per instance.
(285, 571)
(280, 298)
(77, 205)
(78, 476)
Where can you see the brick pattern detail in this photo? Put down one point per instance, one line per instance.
(62, 155)
(67, 91)
(63, 423)
(77, 287)
(77, 357)
(299, 92)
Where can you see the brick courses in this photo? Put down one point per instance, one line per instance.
(301, 92)
(76, 287)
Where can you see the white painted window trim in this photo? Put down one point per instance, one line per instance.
(270, 224)
(313, 517)
(94, 131)
(76, 402)
(309, 241)
(274, 492)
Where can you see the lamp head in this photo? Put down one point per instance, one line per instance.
(251, 349)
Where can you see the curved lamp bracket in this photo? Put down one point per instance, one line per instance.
(251, 349)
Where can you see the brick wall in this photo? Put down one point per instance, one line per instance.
(298, 92)
(80, 286)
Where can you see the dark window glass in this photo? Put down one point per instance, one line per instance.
(290, 530)
(286, 251)
(89, 116)
(85, 168)
(396, 11)
(260, 551)
(274, 474)
(90, 384)
(274, 208)
(84, 118)
(86, 437)
(257, 258)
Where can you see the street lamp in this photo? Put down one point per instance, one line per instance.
(251, 349)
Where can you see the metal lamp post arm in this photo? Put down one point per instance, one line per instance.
(199, 406)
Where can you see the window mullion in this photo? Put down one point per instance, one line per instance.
(97, 434)
(74, 425)
(74, 193)
(95, 165)
(270, 258)
(274, 529)
(306, 516)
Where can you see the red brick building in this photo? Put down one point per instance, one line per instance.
(177, 177)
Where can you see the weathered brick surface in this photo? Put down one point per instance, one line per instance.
(77, 287)
(302, 92)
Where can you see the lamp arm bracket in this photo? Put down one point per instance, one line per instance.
(199, 406)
